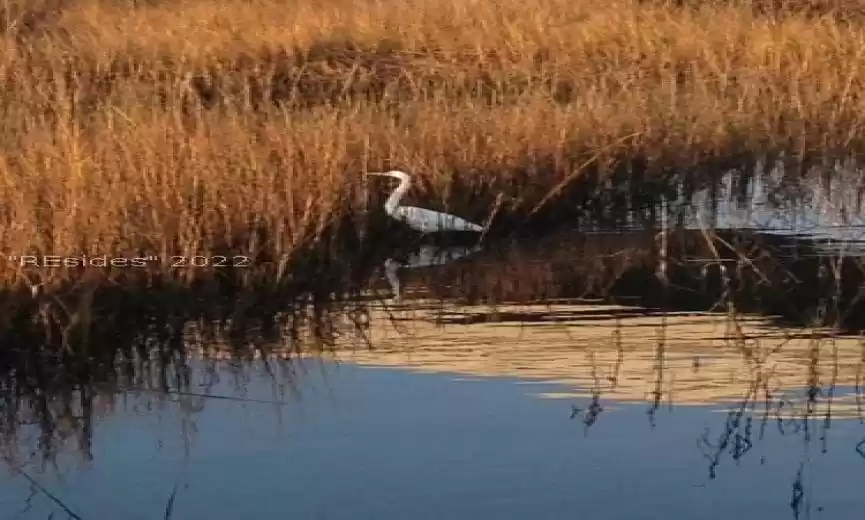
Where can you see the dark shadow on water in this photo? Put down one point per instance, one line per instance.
(783, 278)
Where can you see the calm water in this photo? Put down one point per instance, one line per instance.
(497, 390)
(383, 443)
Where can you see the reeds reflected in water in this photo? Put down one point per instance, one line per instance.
(656, 312)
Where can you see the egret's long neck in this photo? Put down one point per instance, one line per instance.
(393, 201)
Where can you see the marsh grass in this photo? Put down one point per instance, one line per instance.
(192, 127)
(181, 128)
(184, 127)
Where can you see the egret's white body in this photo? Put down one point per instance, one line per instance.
(420, 219)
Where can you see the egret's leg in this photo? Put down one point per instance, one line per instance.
(391, 271)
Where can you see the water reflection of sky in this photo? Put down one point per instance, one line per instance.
(827, 208)
(365, 443)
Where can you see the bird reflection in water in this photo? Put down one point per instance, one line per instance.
(425, 256)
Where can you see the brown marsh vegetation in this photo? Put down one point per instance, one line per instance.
(190, 127)
(183, 127)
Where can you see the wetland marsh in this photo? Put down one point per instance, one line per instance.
(664, 319)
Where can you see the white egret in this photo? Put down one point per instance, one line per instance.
(420, 219)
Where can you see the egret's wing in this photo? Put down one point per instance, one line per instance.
(429, 221)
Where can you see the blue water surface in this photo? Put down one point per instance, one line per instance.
(372, 443)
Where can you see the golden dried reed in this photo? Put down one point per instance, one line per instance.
(193, 127)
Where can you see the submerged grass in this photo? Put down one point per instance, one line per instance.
(185, 127)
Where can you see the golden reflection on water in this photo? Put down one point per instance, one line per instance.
(622, 354)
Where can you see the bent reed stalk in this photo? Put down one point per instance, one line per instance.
(184, 127)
